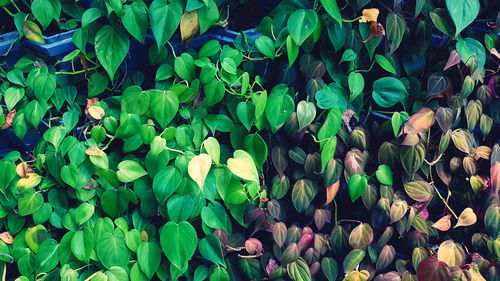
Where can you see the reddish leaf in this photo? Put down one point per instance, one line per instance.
(454, 59)
(432, 269)
(331, 191)
(8, 119)
(280, 161)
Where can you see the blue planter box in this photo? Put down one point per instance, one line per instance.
(6, 41)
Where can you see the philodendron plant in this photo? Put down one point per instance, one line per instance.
(339, 145)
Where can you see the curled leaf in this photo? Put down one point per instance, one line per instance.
(8, 119)
(22, 169)
(96, 112)
(466, 218)
(369, 15)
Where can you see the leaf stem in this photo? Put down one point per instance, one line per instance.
(442, 199)
(353, 20)
(7, 10)
(76, 72)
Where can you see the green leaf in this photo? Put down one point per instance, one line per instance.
(116, 273)
(29, 201)
(178, 241)
(163, 106)
(229, 65)
(97, 84)
(44, 12)
(388, 91)
(129, 171)
(292, 50)
(111, 47)
(164, 19)
(149, 258)
(134, 100)
(219, 274)
(246, 113)
(210, 249)
(442, 20)
(114, 202)
(349, 55)
(243, 166)
(82, 244)
(166, 182)
(384, 174)
(265, 45)
(469, 47)
(112, 250)
(84, 212)
(462, 12)
(47, 256)
(356, 85)
(356, 186)
(12, 96)
(90, 15)
(184, 67)
(302, 194)
(35, 111)
(180, 207)
(135, 21)
(301, 25)
(419, 191)
(384, 63)
(299, 270)
(330, 96)
(353, 259)
(330, 268)
(332, 9)
(395, 29)
(279, 107)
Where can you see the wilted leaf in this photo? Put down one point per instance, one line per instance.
(189, 26)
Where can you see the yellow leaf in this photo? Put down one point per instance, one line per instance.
(189, 26)
(94, 151)
(96, 112)
(466, 218)
(243, 166)
(144, 236)
(369, 15)
(7, 237)
(198, 168)
(32, 32)
(31, 180)
(443, 223)
(451, 253)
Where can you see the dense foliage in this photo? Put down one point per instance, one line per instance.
(346, 140)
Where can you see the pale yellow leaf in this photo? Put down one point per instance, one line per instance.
(466, 218)
(199, 167)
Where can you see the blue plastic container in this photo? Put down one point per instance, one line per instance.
(6, 41)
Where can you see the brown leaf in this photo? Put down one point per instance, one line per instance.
(8, 119)
(443, 223)
(331, 191)
(7, 237)
(22, 169)
(376, 30)
(454, 59)
(90, 102)
(494, 52)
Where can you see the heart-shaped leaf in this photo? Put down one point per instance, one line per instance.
(243, 166)
(306, 111)
(198, 168)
